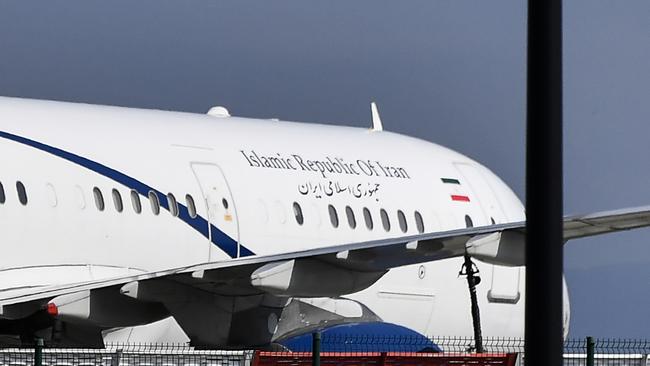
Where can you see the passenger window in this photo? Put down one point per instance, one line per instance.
(224, 202)
(135, 201)
(492, 219)
(2, 194)
(368, 218)
(191, 207)
(155, 203)
(468, 221)
(51, 194)
(173, 205)
(297, 212)
(99, 199)
(385, 221)
(117, 200)
(334, 218)
(22, 194)
(352, 221)
(81, 198)
(419, 223)
(401, 219)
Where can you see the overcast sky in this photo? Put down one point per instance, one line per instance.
(448, 71)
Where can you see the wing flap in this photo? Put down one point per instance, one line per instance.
(217, 276)
(232, 277)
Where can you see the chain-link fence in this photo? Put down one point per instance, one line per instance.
(127, 355)
(338, 350)
(629, 352)
(614, 352)
(603, 352)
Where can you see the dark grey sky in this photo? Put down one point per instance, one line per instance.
(448, 71)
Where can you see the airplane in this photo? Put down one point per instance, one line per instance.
(247, 232)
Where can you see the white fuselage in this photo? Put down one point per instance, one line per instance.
(248, 179)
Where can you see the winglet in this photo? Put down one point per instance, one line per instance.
(376, 120)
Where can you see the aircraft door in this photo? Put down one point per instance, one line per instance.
(220, 208)
(504, 284)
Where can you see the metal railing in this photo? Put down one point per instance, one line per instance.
(369, 349)
(594, 352)
(127, 355)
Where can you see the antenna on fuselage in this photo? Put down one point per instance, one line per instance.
(376, 120)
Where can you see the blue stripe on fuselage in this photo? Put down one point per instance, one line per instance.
(219, 238)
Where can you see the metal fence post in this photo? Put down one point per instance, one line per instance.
(38, 352)
(315, 349)
(115, 361)
(544, 233)
(590, 351)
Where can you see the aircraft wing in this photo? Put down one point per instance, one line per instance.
(606, 222)
(273, 273)
(378, 255)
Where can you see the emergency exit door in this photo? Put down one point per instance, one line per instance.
(223, 227)
(504, 284)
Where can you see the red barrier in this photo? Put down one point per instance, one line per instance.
(384, 358)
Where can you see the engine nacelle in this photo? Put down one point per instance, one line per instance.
(104, 308)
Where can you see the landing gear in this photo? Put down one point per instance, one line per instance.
(470, 270)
